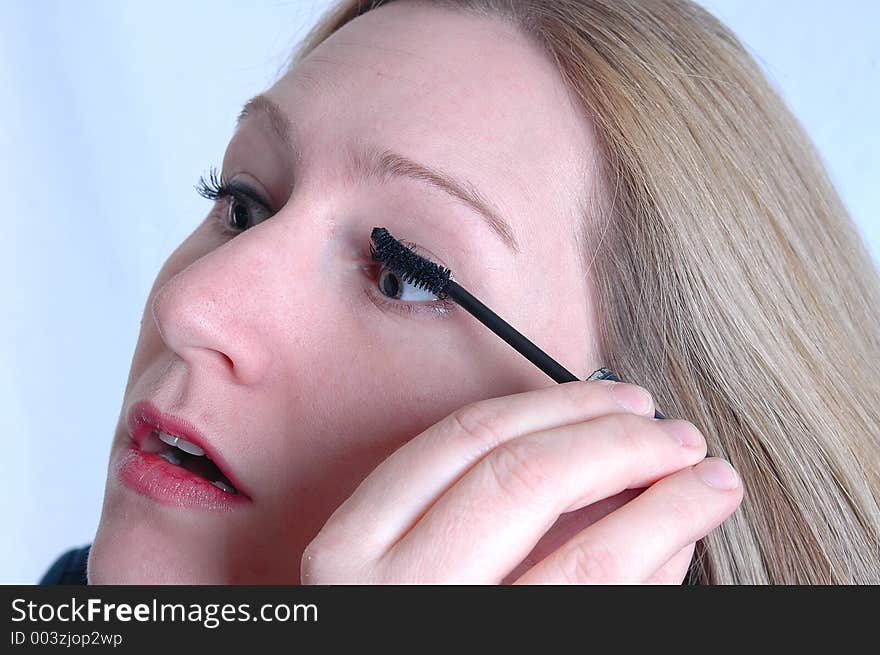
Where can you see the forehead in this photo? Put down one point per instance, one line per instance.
(469, 94)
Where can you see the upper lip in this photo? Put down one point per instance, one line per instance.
(144, 417)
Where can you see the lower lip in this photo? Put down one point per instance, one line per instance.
(152, 476)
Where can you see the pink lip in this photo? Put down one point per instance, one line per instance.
(150, 475)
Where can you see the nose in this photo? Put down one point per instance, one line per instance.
(213, 312)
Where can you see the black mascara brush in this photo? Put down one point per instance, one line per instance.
(436, 279)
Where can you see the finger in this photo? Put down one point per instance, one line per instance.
(633, 542)
(675, 570)
(567, 526)
(493, 517)
(405, 485)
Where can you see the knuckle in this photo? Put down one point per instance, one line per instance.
(628, 430)
(518, 469)
(591, 564)
(481, 423)
(640, 437)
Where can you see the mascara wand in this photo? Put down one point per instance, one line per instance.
(436, 279)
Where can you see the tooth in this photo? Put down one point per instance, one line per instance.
(171, 456)
(188, 447)
(167, 438)
(225, 487)
(183, 444)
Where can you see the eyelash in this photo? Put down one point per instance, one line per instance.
(441, 307)
(216, 187)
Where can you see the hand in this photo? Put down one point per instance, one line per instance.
(468, 499)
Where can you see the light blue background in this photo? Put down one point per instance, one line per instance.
(111, 110)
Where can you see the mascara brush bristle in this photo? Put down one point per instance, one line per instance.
(413, 268)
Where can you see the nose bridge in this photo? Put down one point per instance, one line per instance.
(211, 310)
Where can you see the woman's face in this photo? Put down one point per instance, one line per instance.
(280, 346)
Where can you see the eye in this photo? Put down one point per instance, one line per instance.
(404, 297)
(242, 212)
(393, 286)
(242, 207)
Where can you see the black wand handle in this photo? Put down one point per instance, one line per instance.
(519, 342)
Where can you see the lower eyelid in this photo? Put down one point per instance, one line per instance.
(428, 309)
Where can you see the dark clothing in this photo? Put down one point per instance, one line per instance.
(70, 568)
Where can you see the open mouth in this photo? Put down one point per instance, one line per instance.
(186, 455)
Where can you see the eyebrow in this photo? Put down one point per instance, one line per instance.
(386, 164)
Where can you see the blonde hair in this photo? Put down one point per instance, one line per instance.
(728, 276)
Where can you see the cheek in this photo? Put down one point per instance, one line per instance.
(386, 379)
(372, 396)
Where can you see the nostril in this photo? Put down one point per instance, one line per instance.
(226, 359)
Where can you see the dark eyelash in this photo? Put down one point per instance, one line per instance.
(214, 187)
(440, 307)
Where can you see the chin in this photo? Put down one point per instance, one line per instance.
(126, 554)
(141, 542)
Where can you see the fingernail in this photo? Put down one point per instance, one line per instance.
(631, 397)
(685, 431)
(717, 473)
